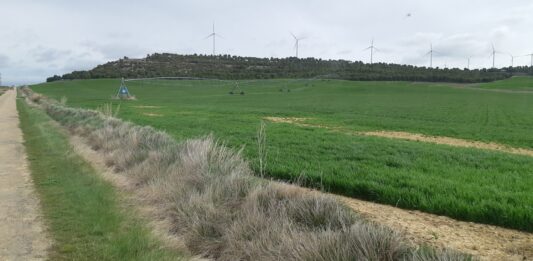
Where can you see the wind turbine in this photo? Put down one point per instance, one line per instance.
(214, 36)
(512, 59)
(372, 48)
(297, 42)
(430, 53)
(468, 66)
(493, 55)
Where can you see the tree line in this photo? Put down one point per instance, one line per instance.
(235, 67)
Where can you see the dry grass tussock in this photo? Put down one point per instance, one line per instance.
(221, 210)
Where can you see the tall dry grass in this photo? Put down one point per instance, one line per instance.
(220, 209)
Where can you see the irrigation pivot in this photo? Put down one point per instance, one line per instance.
(123, 92)
(236, 89)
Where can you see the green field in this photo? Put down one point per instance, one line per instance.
(467, 184)
(515, 83)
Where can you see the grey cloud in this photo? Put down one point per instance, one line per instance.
(4, 61)
(43, 54)
(81, 62)
(78, 35)
(116, 49)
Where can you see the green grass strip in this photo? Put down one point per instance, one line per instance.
(81, 210)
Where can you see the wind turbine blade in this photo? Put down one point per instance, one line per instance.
(367, 48)
(218, 35)
(377, 49)
(294, 36)
(210, 35)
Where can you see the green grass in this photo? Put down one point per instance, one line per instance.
(524, 83)
(467, 184)
(82, 211)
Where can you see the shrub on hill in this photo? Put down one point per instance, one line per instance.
(236, 67)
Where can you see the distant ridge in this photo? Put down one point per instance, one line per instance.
(236, 67)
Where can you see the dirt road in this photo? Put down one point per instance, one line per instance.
(22, 235)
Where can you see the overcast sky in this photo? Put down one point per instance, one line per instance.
(42, 38)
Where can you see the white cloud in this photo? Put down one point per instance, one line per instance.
(42, 38)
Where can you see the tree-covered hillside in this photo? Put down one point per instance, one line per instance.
(235, 67)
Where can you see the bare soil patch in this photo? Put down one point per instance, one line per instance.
(22, 233)
(485, 241)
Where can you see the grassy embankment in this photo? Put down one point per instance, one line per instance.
(82, 211)
(468, 184)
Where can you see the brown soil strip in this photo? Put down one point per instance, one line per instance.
(152, 114)
(485, 241)
(22, 233)
(449, 141)
(413, 137)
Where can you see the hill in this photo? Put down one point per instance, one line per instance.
(234, 67)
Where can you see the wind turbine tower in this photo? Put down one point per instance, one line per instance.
(372, 48)
(297, 42)
(512, 59)
(493, 54)
(430, 53)
(214, 35)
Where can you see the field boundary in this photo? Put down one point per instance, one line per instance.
(402, 135)
(86, 216)
(420, 228)
(487, 242)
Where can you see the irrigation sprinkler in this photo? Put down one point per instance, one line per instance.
(236, 89)
(285, 87)
(123, 92)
